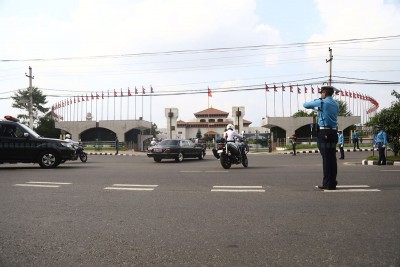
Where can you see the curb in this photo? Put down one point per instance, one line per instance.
(112, 154)
(375, 162)
(337, 150)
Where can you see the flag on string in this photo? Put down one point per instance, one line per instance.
(136, 91)
(102, 95)
(209, 92)
(312, 90)
(92, 96)
(129, 92)
(283, 88)
(97, 96)
(291, 88)
(83, 99)
(143, 90)
(122, 93)
(115, 93)
(305, 89)
(275, 89)
(298, 89)
(266, 87)
(74, 100)
(87, 98)
(79, 99)
(151, 90)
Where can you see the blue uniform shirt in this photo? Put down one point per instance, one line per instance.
(381, 137)
(328, 110)
(341, 139)
(356, 135)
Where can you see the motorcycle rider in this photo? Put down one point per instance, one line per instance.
(231, 135)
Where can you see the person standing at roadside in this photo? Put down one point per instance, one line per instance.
(381, 142)
(341, 144)
(293, 140)
(328, 110)
(356, 137)
(116, 145)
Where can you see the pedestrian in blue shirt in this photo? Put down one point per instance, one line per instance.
(356, 137)
(328, 110)
(381, 143)
(341, 144)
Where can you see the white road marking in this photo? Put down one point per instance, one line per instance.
(37, 185)
(390, 170)
(131, 187)
(351, 190)
(48, 183)
(137, 185)
(191, 171)
(237, 188)
(350, 186)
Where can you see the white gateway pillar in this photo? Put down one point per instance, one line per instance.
(172, 117)
(237, 115)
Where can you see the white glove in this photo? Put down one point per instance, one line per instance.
(383, 146)
(341, 145)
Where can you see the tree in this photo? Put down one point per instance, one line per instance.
(302, 113)
(21, 101)
(343, 109)
(198, 134)
(46, 127)
(389, 118)
(154, 130)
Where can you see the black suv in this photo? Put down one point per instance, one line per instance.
(18, 143)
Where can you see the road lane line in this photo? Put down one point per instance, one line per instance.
(237, 186)
(129, 188)
(56, 183)
(350, 186)
(237, 190)
(37, 185)
(137, 185)
(351, 190)
(390, 170)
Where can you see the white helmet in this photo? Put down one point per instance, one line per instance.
(68, 136)
(230, 126)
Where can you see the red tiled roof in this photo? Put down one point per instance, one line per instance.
(211, 111)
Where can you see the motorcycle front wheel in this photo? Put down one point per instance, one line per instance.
(225, 161)
(83, 157)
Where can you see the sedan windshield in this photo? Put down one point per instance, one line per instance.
(169, 143)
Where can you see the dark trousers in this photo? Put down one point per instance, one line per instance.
(341, 152)
(294, 148)
(356, 143)
(327, 140)
(382, 156)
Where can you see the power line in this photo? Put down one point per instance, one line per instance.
(216, 50)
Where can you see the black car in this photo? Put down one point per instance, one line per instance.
(177, 149)
(18, 143)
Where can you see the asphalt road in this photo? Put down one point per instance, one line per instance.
(129, 210)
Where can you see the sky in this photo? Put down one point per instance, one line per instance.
(180, 48)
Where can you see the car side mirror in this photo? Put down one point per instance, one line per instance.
(26, 135)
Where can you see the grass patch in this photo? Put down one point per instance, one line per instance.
(391, 158)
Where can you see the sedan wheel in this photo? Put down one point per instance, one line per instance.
(179, 158)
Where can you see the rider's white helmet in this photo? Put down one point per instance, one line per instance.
(68, 136)
(230, 126)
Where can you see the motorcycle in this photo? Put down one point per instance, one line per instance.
(229, 153)
(80, 152)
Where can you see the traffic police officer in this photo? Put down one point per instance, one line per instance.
(328, 110)
(381, 142)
